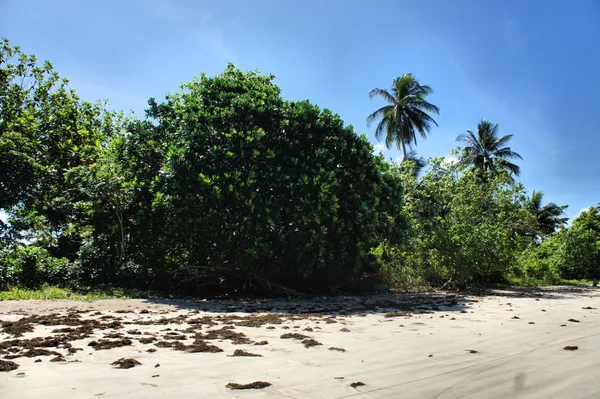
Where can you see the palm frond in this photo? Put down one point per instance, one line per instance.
(387, 97)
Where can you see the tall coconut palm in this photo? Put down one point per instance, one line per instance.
(549, 216)
(405, 114)
(486, 151)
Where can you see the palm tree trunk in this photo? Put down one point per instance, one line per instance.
(404, 150)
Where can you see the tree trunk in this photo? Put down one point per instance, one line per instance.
(122, 255)
(404, 150)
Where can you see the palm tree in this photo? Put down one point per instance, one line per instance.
(549, 216)
(486, 151)
(418, 163)
(405, 114)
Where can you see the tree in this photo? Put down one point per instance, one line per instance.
(257, 187)
(548, 216)
(486, 151)
(464, 230)
(406, 114)
(45, 132)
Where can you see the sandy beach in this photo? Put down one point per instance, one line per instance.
(522, 343)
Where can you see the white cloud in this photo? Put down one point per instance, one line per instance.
(451, 159)
(379, 148)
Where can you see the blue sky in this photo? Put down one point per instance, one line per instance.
(532, 66)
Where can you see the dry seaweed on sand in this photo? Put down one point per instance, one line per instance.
(357, 384)
(201, 346)
(397, 314)
(308, 343)
(252, 385)
(336, 349)
(241, 352)
(344, 330)
(236, 338)
(40, 352)
(125, 363)
(570, 348)
(259, 320)
(103, 344)
(7, 365)
(294, 336)
(261, 343)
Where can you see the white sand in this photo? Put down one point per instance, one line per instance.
(514, 358)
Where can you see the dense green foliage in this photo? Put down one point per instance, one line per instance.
(224, 181)
(225, 185)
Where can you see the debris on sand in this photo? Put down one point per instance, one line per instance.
(252, 385)
(7, 365)
(58, 358)
(157, 365)
(293, 336)
(40, 352)
(261, 343)
(472, 351)
(532, 322)
(573, 320)
(357, 384)
(147, 340)
(151, 350)
(201, 346)
(516, 317)
(259, 320)
(571, 348)
(588, 308)
(236, 338)
(241, 352)
(113, 335)
(103, 344)
(344, 330)
(338, 378)
(397, 314)
(308, 343)
(17, 328)
(175, 337)
(308, 329)
(125, 363)
(333, 348)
